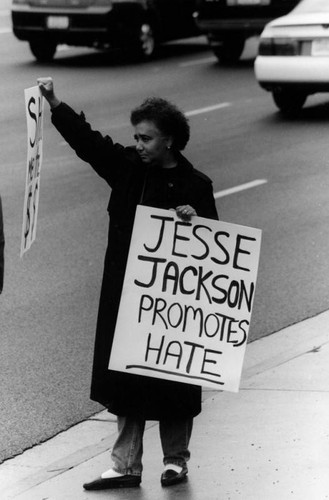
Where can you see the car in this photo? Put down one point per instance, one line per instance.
(136, 25)
(229, 23)
(293, 55)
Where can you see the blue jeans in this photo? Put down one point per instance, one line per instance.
(127, 451)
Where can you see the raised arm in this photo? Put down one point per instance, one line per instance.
(99, 151)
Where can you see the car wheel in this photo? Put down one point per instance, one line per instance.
(229, 51)
(145, 42)
(43, 50)
(289, 102)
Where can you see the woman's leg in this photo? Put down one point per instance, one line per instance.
(128, 448)
(175, 436)
(126, 456)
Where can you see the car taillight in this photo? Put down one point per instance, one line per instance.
(265, 47)
(278, 47)
(286, 47)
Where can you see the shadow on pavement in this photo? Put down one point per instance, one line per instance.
(150, 491)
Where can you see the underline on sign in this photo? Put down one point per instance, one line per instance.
(129, 367)
(241, 187)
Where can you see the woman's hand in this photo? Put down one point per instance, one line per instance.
(46, 87)
(185, 212)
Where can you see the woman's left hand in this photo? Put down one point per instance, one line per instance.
(185, 212)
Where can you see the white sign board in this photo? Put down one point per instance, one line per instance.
(34, 102)
(187, 298)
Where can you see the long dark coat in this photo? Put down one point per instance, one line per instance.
(132, 183)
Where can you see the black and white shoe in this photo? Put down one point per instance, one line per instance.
(173, 474)
(127, 481)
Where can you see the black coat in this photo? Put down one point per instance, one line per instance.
(132, 183)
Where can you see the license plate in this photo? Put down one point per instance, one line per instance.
(249, 2)
(320, 47)
(57, 22)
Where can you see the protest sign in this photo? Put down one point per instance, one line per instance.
(34, 114)
(187, 298)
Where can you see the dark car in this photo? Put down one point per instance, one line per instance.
(228, 23)
(136, 25)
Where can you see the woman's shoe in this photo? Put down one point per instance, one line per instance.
(173, 474)
(127, 481)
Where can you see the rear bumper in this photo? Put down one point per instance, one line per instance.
(305, 72)
(85, 25)
(221, 28)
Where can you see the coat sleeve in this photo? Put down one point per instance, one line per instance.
(205, 205)
(2, 248)
(91, 146)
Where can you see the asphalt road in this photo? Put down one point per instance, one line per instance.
(49, 305)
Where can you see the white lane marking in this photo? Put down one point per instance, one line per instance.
(242, 187)
(195, 62)
(62, 48)
(208, 109)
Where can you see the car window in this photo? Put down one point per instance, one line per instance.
(312, 6)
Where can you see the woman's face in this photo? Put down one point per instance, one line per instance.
(152, 146)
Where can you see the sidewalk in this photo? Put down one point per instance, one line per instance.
(268, 442)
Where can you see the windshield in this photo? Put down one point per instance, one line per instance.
(312, 6)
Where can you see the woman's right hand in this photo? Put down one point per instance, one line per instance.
(46, 87)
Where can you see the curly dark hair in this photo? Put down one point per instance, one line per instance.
(166, 116)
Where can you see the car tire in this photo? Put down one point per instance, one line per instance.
(289, 102)
(230, 50)
(43, 50)
(144, 46)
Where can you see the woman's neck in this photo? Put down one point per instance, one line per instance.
(170, 162)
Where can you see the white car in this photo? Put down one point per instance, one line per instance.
(293, 55)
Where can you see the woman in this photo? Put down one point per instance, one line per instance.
(2, 249)
(153, 173)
